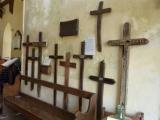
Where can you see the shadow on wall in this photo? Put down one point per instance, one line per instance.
(157, 4)
(7, 41)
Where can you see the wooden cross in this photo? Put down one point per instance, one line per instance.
(33, 59)
(55, 57)
(125, 44)
(26, 59)
(99, 14)
(82, 57)
(67, 65)
(101, 80)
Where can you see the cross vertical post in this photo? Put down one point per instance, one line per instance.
(81, 58)
(101, 80)
(56, 57)
(26, 57)
(67, 66)
(33, 58)
(99, 14)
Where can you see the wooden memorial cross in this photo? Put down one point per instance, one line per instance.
(67, 65)
(26, 59)
(55, 57)
(82, 57)
(33, 59)
(101, 80)
(124, 44)
(99, 14)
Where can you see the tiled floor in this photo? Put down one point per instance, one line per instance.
(11, 115)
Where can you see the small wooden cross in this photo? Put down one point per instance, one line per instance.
(26, 59)
(125, 44)
(55, 57)
(67, 65)
(82, 57)
(99, 14)
(33, 58)
(101, 80)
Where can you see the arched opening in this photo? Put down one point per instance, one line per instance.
(7, 41)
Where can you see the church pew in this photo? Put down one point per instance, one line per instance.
(35, 109)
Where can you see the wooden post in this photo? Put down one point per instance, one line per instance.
(26, 57)
(125, 44)
(39, 63)
(33, 58)
(55, 57)
(81, 58)
(67, 66)
(99, 14)
(101, 80)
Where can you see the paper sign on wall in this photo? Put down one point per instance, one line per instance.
(90, 48)
(46, 61)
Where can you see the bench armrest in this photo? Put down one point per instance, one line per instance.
(91, 113)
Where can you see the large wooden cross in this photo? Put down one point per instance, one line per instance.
(125, 43)
(82, 57)
(101, 80)
(99, 14)
(56, 57)
(67, 66)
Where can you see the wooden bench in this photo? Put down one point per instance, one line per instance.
(35, 109)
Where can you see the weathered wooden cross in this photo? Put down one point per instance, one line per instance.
(56, 57)
(99, 14)
(33, 59)
(125, 44)
(82, 57)
(101, 80)
(67, 66)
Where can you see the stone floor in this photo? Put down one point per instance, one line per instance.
(11, 115)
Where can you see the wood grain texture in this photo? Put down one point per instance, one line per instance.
(56, 57)
(99, 14)
(125, 44)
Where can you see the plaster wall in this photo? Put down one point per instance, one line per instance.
(15, 20)
(144, 68)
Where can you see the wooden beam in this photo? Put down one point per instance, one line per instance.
(69, 90)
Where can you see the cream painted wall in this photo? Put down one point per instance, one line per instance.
(7, 41)
(144, 69)
(15, 21)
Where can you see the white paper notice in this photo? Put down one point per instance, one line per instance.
(90, 46)
(46, 61)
